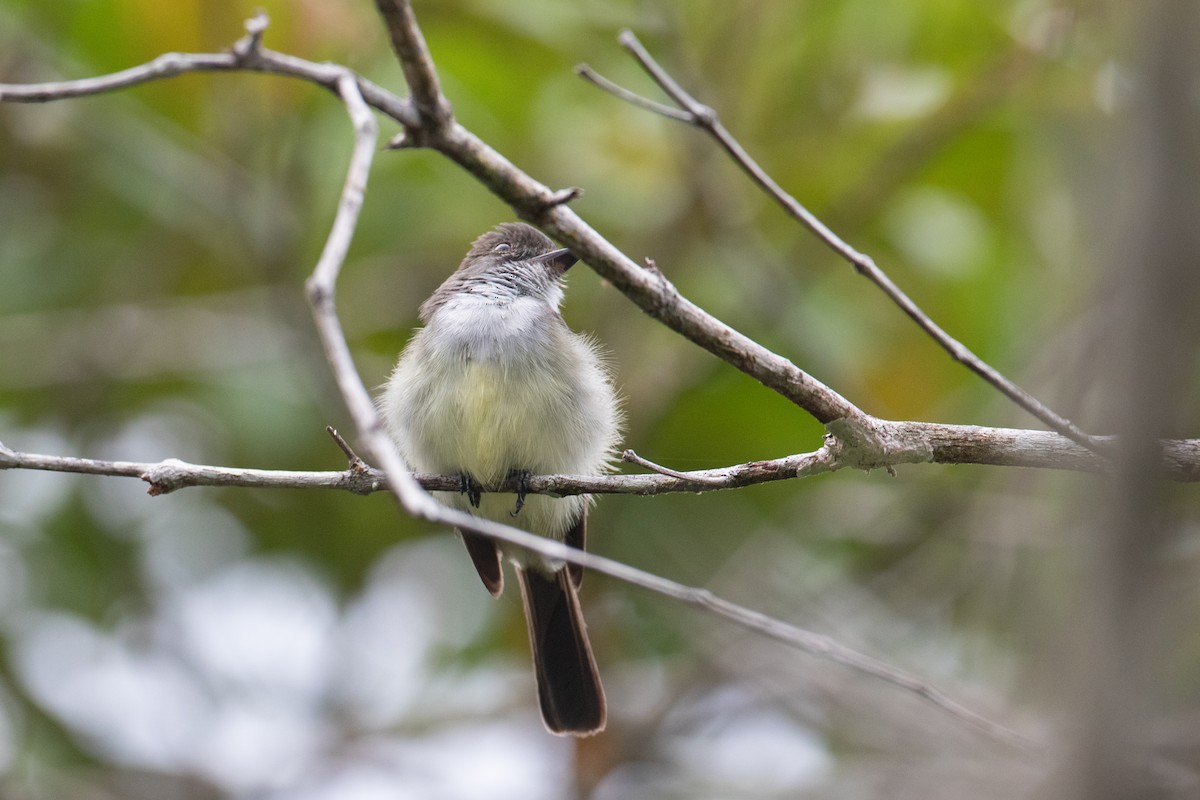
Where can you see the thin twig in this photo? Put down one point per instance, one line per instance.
(256, 27)
(633, 98)
(695, 477)
(705, 118)
(564, 196)
(356, 463)
(825, 647)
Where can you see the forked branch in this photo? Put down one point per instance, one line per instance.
(705, 118)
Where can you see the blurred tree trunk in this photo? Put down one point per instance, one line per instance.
(1121, 750)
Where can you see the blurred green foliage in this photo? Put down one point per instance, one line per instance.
(154, 244)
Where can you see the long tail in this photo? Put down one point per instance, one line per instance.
(569, 689)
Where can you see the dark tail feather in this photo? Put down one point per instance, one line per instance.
(569, 689)
(486, 557)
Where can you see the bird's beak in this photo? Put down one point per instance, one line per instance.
(561, 258)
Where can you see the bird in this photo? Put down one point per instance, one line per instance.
(495, 386)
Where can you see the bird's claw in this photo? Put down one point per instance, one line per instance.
(471, 489)
(521, 476)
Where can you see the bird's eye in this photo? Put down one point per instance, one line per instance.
(503, 247)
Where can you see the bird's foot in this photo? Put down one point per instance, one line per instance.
(521, 476)
(471, 488)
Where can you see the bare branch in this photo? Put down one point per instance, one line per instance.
(246, 55)
(419, 73)
(940, 444)
(705, 118)
(322, 285)
(823, 646)
(171, 474)
(168, 65)
(633, 98)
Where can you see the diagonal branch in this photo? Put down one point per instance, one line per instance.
(409, 43)
(704, 117)
(646, 286)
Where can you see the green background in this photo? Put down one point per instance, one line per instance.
(260, 643)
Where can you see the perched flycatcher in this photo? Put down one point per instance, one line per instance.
(495, 385)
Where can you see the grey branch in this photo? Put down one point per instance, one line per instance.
(704, 117)
(916, 442)
(171, 474)
(432, 107)
(246, 55)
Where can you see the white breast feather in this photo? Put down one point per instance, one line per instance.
(499, 389)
